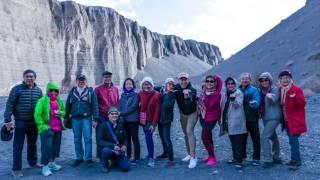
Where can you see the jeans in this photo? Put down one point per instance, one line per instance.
(253, 129)
(21, 131)
(237, 143)
(120, 161)
(164, 131)
(269, 140)
(149, 141)
(188, 122)
(294, 145)
(132, 131)
(82, 127)
(50, 146)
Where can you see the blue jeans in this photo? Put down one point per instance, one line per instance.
(150, 144)
(82, 127)
(50, 145)
(294, 146)
(120, 161)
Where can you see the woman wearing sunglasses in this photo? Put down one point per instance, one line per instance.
(270, 112)
(210, 112)
(49, 115)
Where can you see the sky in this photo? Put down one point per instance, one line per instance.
(229, 24)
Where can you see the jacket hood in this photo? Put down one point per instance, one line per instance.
(52, 85)
(266, 75)
(219, 82)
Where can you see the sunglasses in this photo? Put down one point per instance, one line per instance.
(211, 81)
(114, 114)
(54, 90)
(263, 80)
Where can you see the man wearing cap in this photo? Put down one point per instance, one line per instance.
(186, 99)
(21, 104)
(108, 96)
(294, 115)
(111, 137)
(81, 110)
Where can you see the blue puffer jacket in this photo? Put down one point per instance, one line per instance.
(251, 110)
(129, 107)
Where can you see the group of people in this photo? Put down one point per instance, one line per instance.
(116, 115)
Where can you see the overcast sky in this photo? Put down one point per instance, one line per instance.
(229, 24)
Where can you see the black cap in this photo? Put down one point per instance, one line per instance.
(5, 134)
(285, 73)
(106, 73)
(81, 77)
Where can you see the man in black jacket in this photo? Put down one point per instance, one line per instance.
(21, 103)
(111, 137)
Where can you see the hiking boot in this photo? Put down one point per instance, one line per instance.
(77, 162)
(163, 156)
(17, 173)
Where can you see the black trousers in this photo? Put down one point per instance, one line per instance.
(50, 146)
(21, 131)
(253, 129)
(132, 131)
(237, 142)
(165, 133)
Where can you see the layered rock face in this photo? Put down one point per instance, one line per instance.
(61, 39)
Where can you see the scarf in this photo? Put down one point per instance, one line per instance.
(284, 91)
(264, 91)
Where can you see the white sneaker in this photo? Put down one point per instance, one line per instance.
(46, 171)
(151, 162)
(54, 166)
(193, 163)
(187, 158)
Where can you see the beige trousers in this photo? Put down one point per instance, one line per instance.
(188, 122)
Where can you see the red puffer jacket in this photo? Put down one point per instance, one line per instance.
(295, 111)
(150, 104)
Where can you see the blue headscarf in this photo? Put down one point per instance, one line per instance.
(124, 86)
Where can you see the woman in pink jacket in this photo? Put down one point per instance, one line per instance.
(210, 112)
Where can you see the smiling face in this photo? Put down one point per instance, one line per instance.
(170, 86)
(113, 117)
(128, 85)
(231, 85)
(147, 87)
(265, 82)
(245, 80)
(29, 79)
(285, 80)
(184, 82)
(211, 83)
(81, 83)
(107, 79)
(53, 93)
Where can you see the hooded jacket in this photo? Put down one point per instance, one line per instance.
(42, 110)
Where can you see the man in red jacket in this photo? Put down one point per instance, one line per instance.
(293, 105)
(108, 96)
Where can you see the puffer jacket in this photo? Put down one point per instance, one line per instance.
(21, 103)
(189, 105)
(251, 110)
(129, 107)
(167, 105)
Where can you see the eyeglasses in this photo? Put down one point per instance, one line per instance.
(211, 81)
(54, 90)
(263, 80)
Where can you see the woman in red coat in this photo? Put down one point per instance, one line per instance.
(149, 111)
(293, 105)
(210, 112)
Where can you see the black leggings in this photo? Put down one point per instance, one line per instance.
(164, 132)
(132, 131)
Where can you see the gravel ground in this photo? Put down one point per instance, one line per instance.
(310, 152)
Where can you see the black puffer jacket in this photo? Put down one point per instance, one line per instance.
(21, 103)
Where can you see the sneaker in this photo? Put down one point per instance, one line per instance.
(292, 162)
(36, 165)
(232, 161)
(46, 171)
(267, 165)
(89, 163)
(163, 156)
(54, 166)
(187, 158)
(192, 163)
(105, 169)
(277, 161)
(17, 173)
(169, 164)
(212, 161)
(77, 162)
(134, 161)
(239, 167)
(151, 162)
(255, 163)
(293, 167)
(205, 159)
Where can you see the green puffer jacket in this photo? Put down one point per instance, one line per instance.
(42, 110)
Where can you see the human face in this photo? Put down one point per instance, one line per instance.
(245, 81)
(147, 87)
(170, 86)
(264, 82)
(128, 85)
(231, 86)
(53, 92)
(184, 82)
(285, 80)
(81, 83)
(211, 83)
(107, 79)
(113, 117)
(29, 79)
